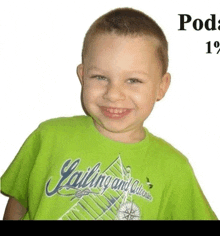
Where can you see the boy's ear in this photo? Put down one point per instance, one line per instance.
(164, 85)
(80, 73)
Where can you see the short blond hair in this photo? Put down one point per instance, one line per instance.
(131, 22)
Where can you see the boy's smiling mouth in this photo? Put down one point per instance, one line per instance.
(115, 112)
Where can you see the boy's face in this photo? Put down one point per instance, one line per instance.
(121, 81)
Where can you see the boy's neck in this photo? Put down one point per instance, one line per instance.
(131, 136)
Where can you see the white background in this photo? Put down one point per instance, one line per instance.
(40, 47)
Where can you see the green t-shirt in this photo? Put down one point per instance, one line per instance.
(67, 170)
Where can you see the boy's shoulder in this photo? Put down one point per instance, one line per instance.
(165, 153)
(60, 123)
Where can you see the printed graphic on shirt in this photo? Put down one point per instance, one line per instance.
(99, 196)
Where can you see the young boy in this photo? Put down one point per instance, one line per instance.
(106, 165)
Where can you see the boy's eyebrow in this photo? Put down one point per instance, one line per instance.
(138, 72)
(93, 68)
(132, 71)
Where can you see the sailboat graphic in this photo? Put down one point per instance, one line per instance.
(102, 206)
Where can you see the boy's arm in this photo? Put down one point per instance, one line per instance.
(14, 210)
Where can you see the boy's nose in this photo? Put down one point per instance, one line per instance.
(114, 93)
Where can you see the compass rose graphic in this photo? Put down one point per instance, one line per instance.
(128, 211)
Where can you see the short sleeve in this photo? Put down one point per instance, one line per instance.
(187, 200)
(14, 182)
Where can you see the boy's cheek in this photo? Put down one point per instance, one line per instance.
(90, 94)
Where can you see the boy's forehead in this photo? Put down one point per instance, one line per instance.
(127, 52)
(109, 43)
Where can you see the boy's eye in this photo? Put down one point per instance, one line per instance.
(133, 81)
(99, 77)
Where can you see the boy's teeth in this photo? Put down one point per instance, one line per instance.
(116, 111)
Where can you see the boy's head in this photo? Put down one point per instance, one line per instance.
(128, 22)
(123, 72)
